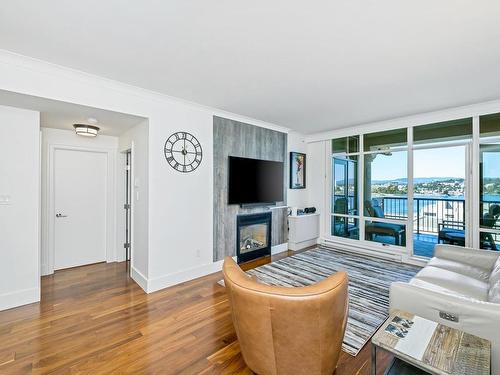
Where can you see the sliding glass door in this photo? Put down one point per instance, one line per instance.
(344, 196)
(489, 182)
(379, 214)
(386, 197)
(406, 190)
(439, 185)
(489, 200)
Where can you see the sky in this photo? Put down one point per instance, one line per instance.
(491, 164)
(439, 162)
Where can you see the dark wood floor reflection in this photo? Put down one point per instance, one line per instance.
(96, 320)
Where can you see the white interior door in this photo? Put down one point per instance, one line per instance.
(80, 207)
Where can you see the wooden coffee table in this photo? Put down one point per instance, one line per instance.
(433, 348)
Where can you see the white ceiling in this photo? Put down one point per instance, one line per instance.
(307, 65)
(62, 115)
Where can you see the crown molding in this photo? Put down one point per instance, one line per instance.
(38, 66)
(448, 114)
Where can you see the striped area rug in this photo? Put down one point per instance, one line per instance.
(369, 281)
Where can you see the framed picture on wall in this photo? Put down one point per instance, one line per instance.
(297, 170)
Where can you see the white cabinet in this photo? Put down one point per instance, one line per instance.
(303, 231)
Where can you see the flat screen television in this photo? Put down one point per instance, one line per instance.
(253, 181)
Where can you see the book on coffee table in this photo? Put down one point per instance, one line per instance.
(432, 347)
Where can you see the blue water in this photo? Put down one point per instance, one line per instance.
(394, 205)
(397, 205)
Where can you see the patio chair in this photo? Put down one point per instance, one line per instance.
(341, 224)
(383, 229)
(453, 232)
(489, 221)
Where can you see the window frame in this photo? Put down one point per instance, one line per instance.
(472, 230)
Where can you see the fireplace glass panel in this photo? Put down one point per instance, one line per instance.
(253, 237)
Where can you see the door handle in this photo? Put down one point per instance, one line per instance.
(61, 215)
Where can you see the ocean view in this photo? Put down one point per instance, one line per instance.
(397, 205)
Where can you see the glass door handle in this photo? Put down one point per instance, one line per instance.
(61, 215)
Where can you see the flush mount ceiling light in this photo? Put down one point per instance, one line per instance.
(86, 130)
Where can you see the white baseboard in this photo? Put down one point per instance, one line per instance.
(302, 245)
(376, 253)
(44, 270)
(19, 298)
(279, 248)
(182, 276)
(154, 284)
(379, 253)
(139, 278)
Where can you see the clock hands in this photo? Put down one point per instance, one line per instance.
(188, 153)
(184, 152)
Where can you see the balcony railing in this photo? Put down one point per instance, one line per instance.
(432, 217)
(428, 213)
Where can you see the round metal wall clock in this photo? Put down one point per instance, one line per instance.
(183, 152)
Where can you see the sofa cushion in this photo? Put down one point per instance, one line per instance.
(435, 288)
(456, 282)
(461, 268)
(495, 274)
(494, 293)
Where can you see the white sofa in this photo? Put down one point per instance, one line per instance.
(460, 281)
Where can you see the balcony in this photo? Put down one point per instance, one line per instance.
(430, 216)
(434, 220)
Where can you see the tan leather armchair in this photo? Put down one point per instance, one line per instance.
(288, 330)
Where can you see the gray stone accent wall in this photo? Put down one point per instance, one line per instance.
(233, 138)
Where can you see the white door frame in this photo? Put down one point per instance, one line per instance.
(130, 147)
(477, 209)
(110, 206)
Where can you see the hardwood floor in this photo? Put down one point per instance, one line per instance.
(96, 320)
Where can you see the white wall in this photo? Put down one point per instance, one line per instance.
(180, 204)
(298, 197)
(19, 220)
(316, 180)
(136, 139)
(57, 137)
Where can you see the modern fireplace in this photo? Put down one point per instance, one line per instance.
(253, 236)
